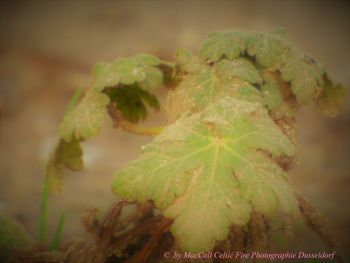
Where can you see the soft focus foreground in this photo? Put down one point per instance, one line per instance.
(47, 50)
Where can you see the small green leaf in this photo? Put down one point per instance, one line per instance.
(131, 101)
(146, 59)
(271, 50)
(330, 98)
(129, 70)
(103, 76)
(153, 79)
(85, 121)
(305, 77)
(187, 62)
(65, 155)
(141, 69)
(273, 99)
(224, 44)
(183, 56)
(210, 167)
(70, 154)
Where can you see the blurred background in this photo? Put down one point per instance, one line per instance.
(47, 51)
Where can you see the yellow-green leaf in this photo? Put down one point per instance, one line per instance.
(210, 169)
(131, 101)
(85, 120)
(330, 98)
(140, 68)
(66, 155)
(225, 78)
(223, 44)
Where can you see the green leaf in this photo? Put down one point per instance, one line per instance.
(240, 68)
(271, 50)
(305, 77)
(274, 51)
(224, 44)
(225, 78)
(103, 76)
(85, 121)
(210, 169)
(65, 155)
(187, 62)
(331, 98)
(141, 69)
(131, 101)
(128, 70)
(152, 80)
(273, 97)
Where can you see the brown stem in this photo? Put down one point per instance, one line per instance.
(237, 237)
(258, 239)
(142, 255)
(109, 223)
(91, 223)
(234, 242)
(318, 223)
(122, 241)
(141, 211)
(321, 225)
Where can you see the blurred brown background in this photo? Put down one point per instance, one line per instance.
(48, 48)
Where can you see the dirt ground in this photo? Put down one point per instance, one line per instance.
(48, 48)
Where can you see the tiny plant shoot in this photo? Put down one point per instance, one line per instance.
(220, 165)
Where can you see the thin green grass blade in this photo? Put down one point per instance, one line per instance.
(73, 101)
(43, 211)
(58, 232)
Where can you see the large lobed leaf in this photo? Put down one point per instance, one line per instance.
(210, 169)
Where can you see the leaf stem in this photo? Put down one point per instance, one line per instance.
(133, 128)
